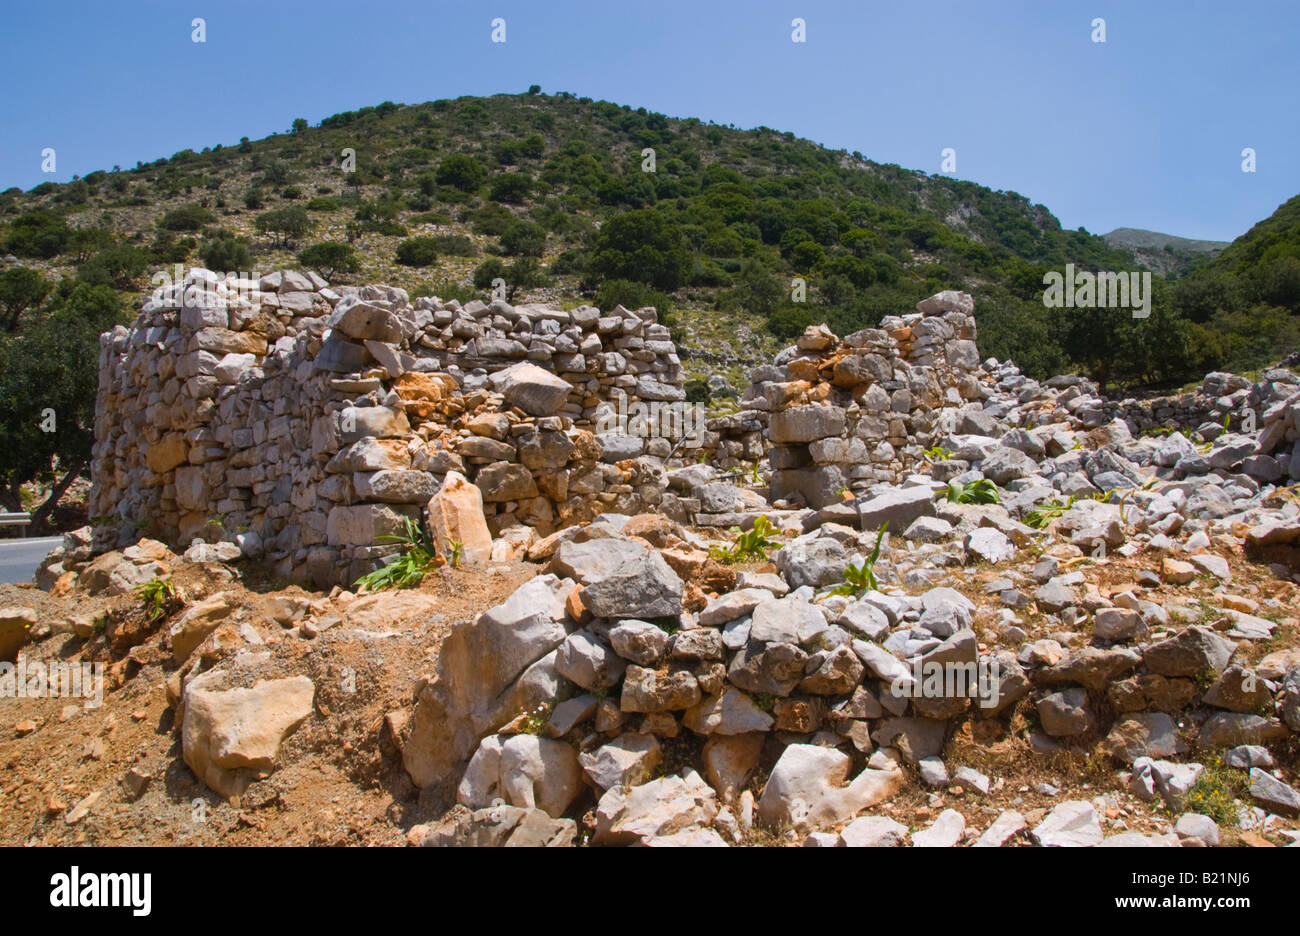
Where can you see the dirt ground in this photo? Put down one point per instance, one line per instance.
(336, 784)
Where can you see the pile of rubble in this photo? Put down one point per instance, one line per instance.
(585, 682)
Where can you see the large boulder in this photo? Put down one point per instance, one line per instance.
(806, 423)
(489, 670)
(897, 507)
(524, 770)
(812, 560)
(807, 788)
(15, 626)
(231, 737)
(199, 620)
(635, 815)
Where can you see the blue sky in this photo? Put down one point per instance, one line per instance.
(1145, 130)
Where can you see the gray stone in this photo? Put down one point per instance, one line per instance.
(873, 832)
(1073, 823)
(639, 641)
(637, 587)
(627, 760)
(1273, 794)
(586, 660)
(945, 832)
(898, 507)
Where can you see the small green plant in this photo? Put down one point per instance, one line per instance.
(1215, 793)
(750, 545)
(157, 595)
(982, 491)
(1046, 512)
(534, 722)
(754, 476)
(408, 569)
(937, 453)
(457, 552)
(861, 579)
(668, 623)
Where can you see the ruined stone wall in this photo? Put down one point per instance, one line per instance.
(843, 414)
(303, 423)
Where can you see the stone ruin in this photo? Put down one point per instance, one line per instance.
(304, 422)
(643, 681)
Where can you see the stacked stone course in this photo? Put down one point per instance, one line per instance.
(304, 423)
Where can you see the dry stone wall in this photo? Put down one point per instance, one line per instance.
(304, 423)
(844, 414)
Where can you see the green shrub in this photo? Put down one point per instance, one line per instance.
(461, 172)
(329, 258)
(511, 187)
(487, 271)
(186, 218)
(417, 252)
(408, 568)
(224, 251)
(38, 234)
(750, 545)
(454, 245)
(523, 239)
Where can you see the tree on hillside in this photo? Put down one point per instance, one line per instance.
(288, 223)
(20, 289)
(186, 218)
(461, 172)
(225, 251)
(642, 246)
(329, 258)
(417, 252)
(38, 234)
(511, 187)
(118, 267)
(48, 380)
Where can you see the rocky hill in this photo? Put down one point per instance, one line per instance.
(1164, 253)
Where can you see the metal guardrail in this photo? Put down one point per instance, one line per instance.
(21, 520)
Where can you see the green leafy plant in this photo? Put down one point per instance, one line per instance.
(1047, 511)
(411, 564)
(457, 551)
(861, 579)
(937, 453)
(982, 491)
(158, 595)
(750, 545)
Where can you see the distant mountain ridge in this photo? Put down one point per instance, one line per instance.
(1166, 254)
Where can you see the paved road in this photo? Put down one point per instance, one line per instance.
(20, 557)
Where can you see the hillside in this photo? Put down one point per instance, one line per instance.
(1164, 253)
(533, 177)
